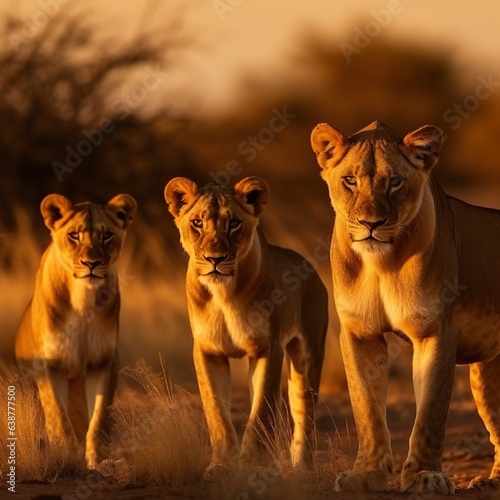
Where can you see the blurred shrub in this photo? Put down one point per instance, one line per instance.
(64, 125)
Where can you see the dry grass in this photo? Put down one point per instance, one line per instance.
(160, 435)
(279, 479)
(278, 439)
(35, 460)
(160, 438)
(160, 432)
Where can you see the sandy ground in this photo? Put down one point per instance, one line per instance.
(467, 454)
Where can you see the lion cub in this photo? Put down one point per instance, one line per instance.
(69, 330)
(242, 303)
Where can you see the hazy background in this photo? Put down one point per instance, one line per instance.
(181, 87)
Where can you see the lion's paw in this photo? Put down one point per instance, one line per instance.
(219, 473)
(115, 469)
(427, 482)
(483, 483)
(361, 481)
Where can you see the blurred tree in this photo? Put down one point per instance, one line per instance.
(64, 125)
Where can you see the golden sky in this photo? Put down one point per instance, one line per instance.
(256, 35)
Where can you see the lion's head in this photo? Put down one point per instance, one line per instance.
(88, 237)
(217, 225)
(376, 179)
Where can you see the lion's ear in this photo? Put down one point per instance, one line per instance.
(178, 193)
(53, 208)
(329, 144)
(252, 191)
(122, 209)
(423, 145)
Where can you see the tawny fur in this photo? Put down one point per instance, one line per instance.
(248, 302)
(67, 339)
(409, 259)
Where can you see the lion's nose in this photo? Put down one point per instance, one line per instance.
(371, 225)
(215, 260)
(91, 264)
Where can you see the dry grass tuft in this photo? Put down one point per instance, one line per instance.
(278, 479)
(160, 432)
(329, 459)
(35, 460)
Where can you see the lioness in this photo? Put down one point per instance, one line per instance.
(407, 258)
(70, 328)
(242, 301)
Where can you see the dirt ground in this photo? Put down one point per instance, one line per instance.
(467, 454)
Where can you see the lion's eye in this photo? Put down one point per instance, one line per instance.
(197, 223)
(107, 236)
(74, 236)
(234, 223)
(395, 182)
(350, 180)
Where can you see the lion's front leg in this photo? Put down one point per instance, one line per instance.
(52, 387)
(215, 389)
(366, 364)
(265, 373)
(99, 389)
(433, 369)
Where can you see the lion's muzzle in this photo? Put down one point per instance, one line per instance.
(218, 264)
(91, 269)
